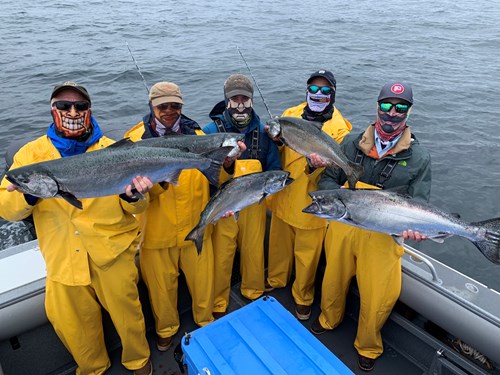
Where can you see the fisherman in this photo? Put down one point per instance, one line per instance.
(236, 114)
(294, 235)
(392, 158)
(172, 213)
(89, 253)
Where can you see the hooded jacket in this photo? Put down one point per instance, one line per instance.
(412, 171)
(268, 154)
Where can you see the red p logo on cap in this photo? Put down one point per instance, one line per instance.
(397, 88)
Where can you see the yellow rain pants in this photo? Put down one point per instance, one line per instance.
(76, 316)
(246, 234)
(160, 269)
(302, 246)
(375, 259)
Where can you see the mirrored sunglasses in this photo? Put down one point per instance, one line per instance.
(65, 105)
(400, 108)
(325, 90)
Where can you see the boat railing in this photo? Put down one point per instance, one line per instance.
(422, 258)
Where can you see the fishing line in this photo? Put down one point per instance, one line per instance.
(255, 81)
(138, 69)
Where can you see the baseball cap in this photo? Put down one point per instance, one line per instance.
(72, 86)
(165, 92)
(396, 89)
(325, 74)
(238, 84)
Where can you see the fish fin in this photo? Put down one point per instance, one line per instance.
(173, 177)
(225, 183)
(263, 197)
(440, 239)
(490, 246)
(217, 156)
(170, 133)
(196, 235)
(125, 142)
(357, 172)
(398, 239)
(317, 124)
(71, 199)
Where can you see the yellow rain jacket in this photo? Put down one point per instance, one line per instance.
(289, 203)
(296, 237)
(172, 213)
(162, 228)
(67, 235)
(89, 255)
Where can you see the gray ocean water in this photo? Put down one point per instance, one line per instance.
(448, 50)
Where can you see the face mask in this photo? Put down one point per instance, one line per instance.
(71, 127)
(240, 112)
(318, 102)
(389, 127)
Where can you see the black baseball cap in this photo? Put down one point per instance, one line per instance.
(396, 89)
(325, 74)
(72, 86)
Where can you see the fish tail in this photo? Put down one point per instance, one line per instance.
(196, 235)
(357, 171)
(217, 156)
(490, 245)
(212, 172)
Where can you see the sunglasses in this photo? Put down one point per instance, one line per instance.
(400, 108)
(325, 90)
(64, 105)
(165, 106)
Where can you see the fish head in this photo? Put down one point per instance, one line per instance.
(233, 142)
(38, 184)
(277, 181)
(274, 127)
(326, 207)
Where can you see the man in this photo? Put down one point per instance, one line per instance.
(173, 212)
(294, 235)
(89, 253)
(392, 158)
(236, 114)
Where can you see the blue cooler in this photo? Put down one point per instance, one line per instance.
(260, 338)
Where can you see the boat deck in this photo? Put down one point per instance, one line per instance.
(409, 346)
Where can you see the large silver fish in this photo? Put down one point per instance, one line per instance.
(306, 137)
(196, 143)
(391, 213)
(110, 170)
(237, 194)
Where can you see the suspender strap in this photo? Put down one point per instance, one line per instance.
(386, 172)
(358, 159)
(254, 148)
(220, 125)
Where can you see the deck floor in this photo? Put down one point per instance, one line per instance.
(39, 352)
(339, 341)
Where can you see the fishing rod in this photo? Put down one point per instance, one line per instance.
(255, 81)
(138, 69)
